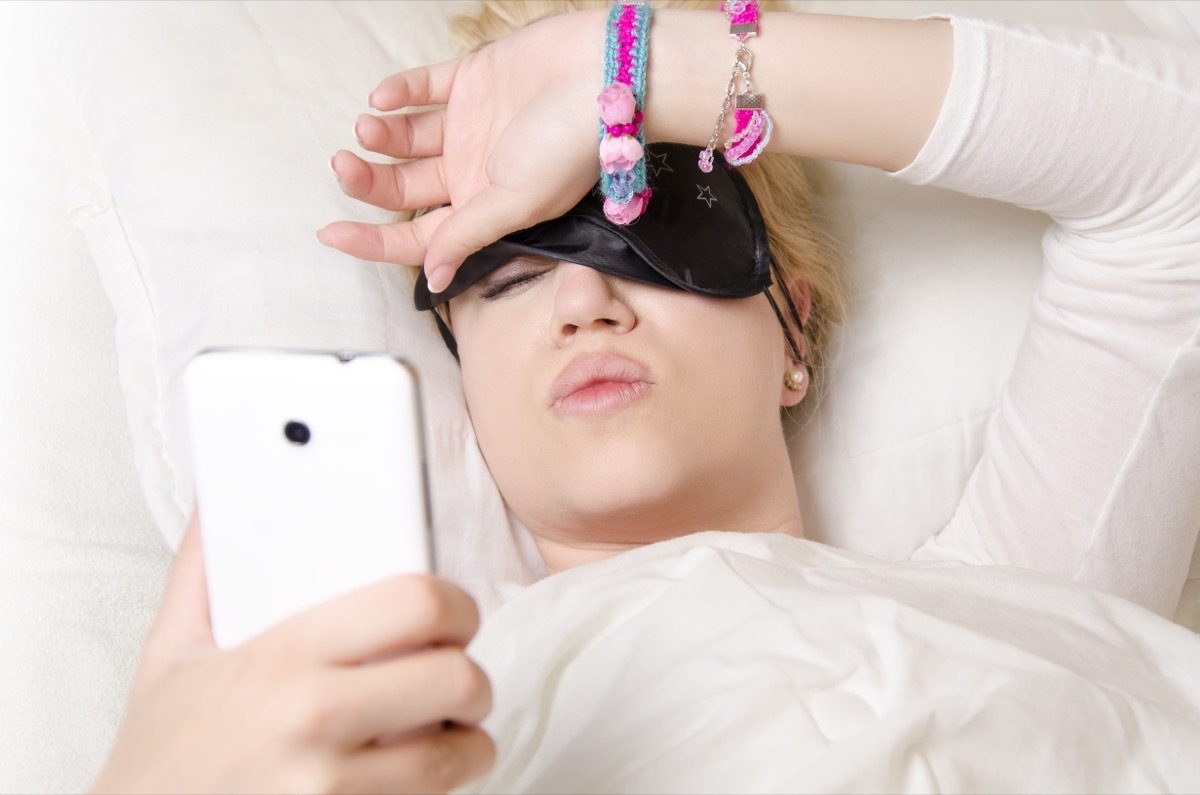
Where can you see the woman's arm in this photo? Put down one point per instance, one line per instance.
(516, 143)
(1091, 467)
(851, 89)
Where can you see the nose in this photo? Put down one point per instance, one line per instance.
(588, 301)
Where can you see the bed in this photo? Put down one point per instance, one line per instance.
(166, 171)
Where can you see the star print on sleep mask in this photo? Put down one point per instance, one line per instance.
(702, 233)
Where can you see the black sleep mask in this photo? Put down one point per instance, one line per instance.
(702, 233)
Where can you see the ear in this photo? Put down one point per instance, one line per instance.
(802, 297)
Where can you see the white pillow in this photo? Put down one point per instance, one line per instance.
(199, 152)
(81, 563)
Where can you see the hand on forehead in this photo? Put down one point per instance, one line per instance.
(702, 233)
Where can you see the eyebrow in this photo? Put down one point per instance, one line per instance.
(536, 259)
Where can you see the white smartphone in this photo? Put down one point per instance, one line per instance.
(310, 479)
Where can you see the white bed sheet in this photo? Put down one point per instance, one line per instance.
(755, 663)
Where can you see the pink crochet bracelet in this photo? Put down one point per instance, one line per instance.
(622, 140)
(752, 123)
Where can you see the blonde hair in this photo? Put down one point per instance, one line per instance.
(802, 248)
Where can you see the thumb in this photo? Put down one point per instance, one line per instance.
(497, 210)
(485, 218)
(183, 627)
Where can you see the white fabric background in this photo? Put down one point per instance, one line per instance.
(81, 562)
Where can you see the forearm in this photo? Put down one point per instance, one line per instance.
(851, 89)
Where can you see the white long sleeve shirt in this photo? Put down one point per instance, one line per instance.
(1091, 466)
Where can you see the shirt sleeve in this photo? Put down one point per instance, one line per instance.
(1091, 464)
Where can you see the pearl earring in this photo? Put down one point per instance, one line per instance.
(794, 380)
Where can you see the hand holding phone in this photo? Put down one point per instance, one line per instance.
(309, 473)
(311, 705)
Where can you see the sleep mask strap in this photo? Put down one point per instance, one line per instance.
(791, 309)
(447, 335)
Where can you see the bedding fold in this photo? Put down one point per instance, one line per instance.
(723, 662)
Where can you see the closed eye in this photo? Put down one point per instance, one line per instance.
(511, 276)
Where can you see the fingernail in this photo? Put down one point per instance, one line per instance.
(438, 278)
(357, 134)
(336, 175)
(371, 100)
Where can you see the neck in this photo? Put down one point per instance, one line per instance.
(762, 503)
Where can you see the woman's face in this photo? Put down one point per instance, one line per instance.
(618, 413)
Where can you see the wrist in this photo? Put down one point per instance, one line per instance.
(690, 56)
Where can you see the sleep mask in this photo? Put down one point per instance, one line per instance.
(702, 233)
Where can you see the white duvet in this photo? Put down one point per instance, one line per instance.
(761, 663)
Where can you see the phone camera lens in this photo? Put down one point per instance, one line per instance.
(297, 432)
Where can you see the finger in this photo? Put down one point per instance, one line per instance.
(407, 692)
(485, 218)
(422, 85)
(398, 614)
(437, 762)
(183, 627)
(402, 135)
(403, 243)
(392, 186)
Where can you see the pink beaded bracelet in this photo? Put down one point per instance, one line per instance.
(752, 123)
(622, 140)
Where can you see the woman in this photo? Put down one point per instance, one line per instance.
(1098, 136)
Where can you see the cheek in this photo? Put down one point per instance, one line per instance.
(488, 344)
(737, 345)
(489, 369)
(497, 383)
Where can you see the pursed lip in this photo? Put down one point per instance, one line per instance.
(597, 383)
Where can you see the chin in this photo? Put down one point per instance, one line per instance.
(640, 479)
(625, 502)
